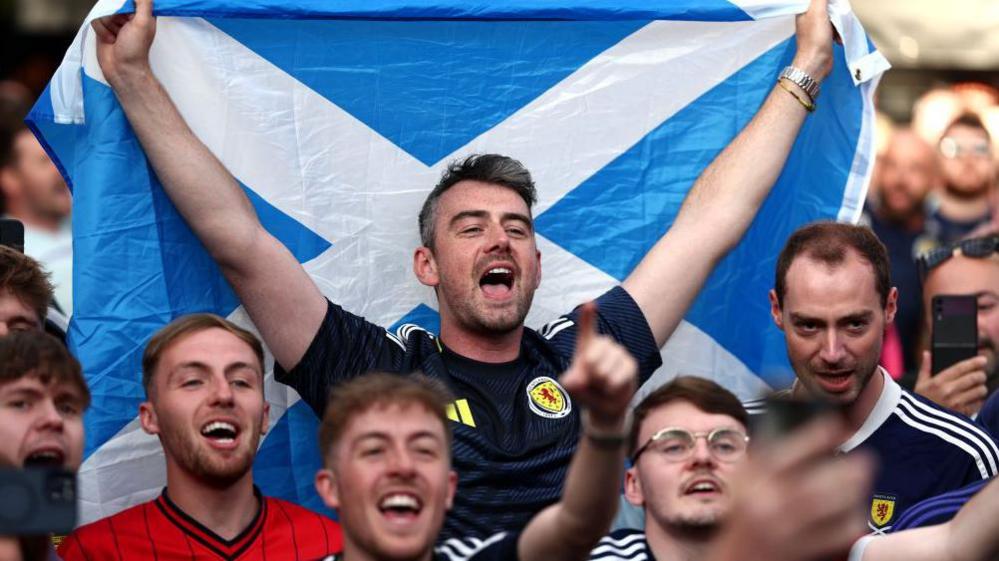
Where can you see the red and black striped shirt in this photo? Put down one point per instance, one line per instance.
(161, 531)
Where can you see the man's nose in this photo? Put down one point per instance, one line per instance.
(832, 347)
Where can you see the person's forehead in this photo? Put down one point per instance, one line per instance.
(394, 420)
(966, 131)
(818, 285)
(906, 146)
(963, 275)
(684, 414)
(478, 195)
(209, 344)
(11, 305)
(42, 383)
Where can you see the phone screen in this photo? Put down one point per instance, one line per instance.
(955, 330)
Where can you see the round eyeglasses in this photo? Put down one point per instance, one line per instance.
(677, 444)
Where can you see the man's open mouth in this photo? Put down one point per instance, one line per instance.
(45, 457)
(702, 487)
(220, 432)
(497, 282)
(400, 506)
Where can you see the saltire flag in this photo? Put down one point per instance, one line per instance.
(337, 119)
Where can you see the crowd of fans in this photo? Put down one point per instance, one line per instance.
(891, 460)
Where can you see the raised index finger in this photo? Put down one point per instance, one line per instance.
(144, 10)
(586, 328)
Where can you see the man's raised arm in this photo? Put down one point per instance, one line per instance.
(602, 379)
(279, 295)
(724, 199)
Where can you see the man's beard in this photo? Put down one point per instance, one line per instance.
(696, 526)
(199, 462)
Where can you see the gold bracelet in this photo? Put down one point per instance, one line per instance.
(809, 106)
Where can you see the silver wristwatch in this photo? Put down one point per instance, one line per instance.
(803, 81)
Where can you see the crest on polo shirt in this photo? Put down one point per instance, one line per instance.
(882, 509)
(547, 398)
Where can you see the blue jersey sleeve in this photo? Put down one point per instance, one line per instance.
(344, 347)
(619, 316)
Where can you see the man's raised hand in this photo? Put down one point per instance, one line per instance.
(123, 42)
(603, 375)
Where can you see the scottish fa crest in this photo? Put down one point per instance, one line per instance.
(547, 398)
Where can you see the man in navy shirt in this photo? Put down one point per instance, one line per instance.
(385, 442)
(515, 426)
(833, 299)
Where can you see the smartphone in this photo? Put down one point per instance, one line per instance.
(955, 330)
(37, 501)
(12, 233)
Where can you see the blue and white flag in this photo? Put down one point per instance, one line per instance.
(337, 119)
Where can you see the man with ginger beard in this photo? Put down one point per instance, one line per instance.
(203, 378)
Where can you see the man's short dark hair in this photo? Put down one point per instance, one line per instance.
(25, 279)
(33, 353)
(829, 242)
(378, 389)
(702, 393)
(969, 120)
(189, 325)
(487, 168)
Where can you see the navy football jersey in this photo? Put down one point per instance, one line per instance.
(939, 509)
(515, 428)
(626, 544)
(988, 417)
(923, 450)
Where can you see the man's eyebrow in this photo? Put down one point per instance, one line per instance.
(468, 214)
(517, 216)
(22, 391)
(797, 317)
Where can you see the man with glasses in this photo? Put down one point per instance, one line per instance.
(969, 267)
(968, 168)
(704, 499)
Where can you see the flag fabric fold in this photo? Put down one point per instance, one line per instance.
(337, 119)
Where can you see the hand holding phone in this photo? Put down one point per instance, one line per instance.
(960, 387)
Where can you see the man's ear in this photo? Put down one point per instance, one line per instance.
(539, 269)
(326, 487)
(10, 185)
(425, 266)
(775, 311)
(633, 487)
(147, 418)
(267, 418)
(891, 306)
(452, 487)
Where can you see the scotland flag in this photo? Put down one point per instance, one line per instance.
(338, 117)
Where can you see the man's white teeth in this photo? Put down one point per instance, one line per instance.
(703, 487)
(500, 271)
(399, 502)
(221, 431)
